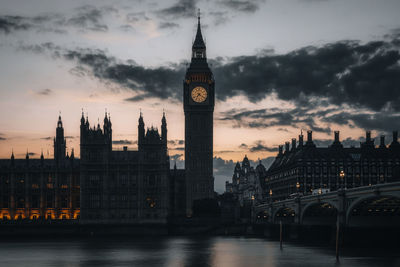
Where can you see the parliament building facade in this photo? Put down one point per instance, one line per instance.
(106, 186)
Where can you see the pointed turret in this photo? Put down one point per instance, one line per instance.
(59, 142)
(164, 129)
(198, 44)
(141, 131)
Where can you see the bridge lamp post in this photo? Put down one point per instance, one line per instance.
(342, 174)
(270, 195)
(297, 186)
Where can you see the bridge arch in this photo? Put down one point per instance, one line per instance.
(319, 213)
(381, 210)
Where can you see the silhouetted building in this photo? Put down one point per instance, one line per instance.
(198, 103)
(107, 186)
(41, 189)
(245, 185)
(305, 169)
(124, 186)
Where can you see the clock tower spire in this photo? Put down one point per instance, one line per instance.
(198, 104)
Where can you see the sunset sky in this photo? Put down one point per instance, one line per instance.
(279, 66)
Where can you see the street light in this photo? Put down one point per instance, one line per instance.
(270, 195)
(342, 174)
(297, 186)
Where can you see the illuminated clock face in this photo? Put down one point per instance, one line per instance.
(199, 94)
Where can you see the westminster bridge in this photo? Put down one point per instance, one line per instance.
(376, 205)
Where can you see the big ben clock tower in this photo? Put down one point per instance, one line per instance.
(198, 104)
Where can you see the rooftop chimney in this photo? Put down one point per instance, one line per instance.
(293, 143)
(280, 150)
(309, 138)
(337, 137)
(382, 144)
(287, 146)
(368, 136)
(395, 136)
(301, 140)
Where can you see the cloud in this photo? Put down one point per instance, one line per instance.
(46, 138)
(265, 118)
(10, 24)
(122, 142)
(168, 25)
(346, 75)
(347, 72)
(249, 6)
(90, 18)
(136, 17)
(2, 138)
(85, 18)
(383, 121)
(180, 9)
(260, 146)
(176, 142)
(45, 92)
(219, 17)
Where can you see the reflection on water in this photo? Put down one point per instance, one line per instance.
(182, 251)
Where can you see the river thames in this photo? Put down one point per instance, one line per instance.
(184, 251)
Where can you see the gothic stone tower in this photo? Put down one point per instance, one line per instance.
(59, 143)
(198, 101)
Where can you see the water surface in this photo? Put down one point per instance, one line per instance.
(184, 251)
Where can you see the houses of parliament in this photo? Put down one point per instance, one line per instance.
(105, 186)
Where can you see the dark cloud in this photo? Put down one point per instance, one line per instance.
(85, 18)
(265, 118)
(168, 25)
(348, 72)
(45, 92)
(122, 142)
(282, 130)
(243, 146)
(90, 18)
(249, 6)
(71, 137)
(180, 9)
(46, 138)
(382, 121)
(176, 142)
(345, 75)
(260, 146)
(2, 138)
(160, 82)
(136, 17)
(10, 24)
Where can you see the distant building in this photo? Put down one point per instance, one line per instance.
(246, 185)
(304, 169)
